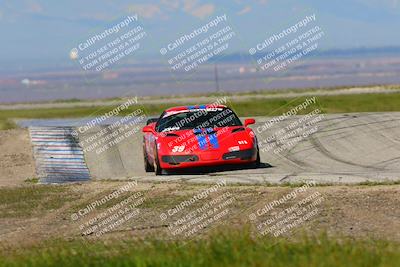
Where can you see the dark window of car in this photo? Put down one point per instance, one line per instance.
(197, 118)
(151, 120)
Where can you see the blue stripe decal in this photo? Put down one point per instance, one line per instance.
(201, 139)
(202, 107)
(212, 136)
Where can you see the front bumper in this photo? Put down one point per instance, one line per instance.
(197, 160)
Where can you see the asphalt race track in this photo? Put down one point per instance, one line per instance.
(340, 148)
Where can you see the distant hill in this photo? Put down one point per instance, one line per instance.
(332, 53)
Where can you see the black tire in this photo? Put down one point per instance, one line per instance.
(147, 166)
(157, 169)
(257, 163)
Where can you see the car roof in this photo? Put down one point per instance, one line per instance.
(206, 106)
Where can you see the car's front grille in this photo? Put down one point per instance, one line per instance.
(173, 160)
(241, 154)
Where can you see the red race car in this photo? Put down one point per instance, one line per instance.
(192, 136)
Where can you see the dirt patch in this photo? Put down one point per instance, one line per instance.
(355, 211)
(16, 160)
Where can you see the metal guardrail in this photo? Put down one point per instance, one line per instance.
(58, 155)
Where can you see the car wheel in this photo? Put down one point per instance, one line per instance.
(257, 163)
(147, 166)
(157, 169)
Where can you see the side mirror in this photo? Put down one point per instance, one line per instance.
(151, 120)
(248, 122)
(148, 129)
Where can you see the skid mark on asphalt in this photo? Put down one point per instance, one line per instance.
(321, 148)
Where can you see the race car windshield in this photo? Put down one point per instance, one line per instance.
(200, 118)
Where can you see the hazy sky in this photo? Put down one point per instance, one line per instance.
(47, 30)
